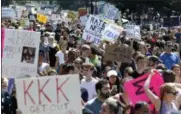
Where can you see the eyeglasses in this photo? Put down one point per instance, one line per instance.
(173, 93)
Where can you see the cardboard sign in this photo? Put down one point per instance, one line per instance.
(133, 31)
(111, 12)
(135, 91)
(8, 13)
(111, 33)
(118, 53)
(49, 95)
(82, 12)
(42, 18)
(71, 15)
(20, 54)
(93, 30)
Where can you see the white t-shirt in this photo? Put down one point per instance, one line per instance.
(90, 87)
(43, 67)
(60, 55)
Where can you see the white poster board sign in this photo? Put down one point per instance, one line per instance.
(8, 13)
(49, 95)
(55, 17)
(111, 12)
(83, 20)
(20, 54)
(111, 33)
(133, 31)
(93, 30)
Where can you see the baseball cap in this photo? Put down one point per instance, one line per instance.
(112, 73)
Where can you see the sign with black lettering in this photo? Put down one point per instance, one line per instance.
(118, 53)
(93, 30)
(49, 95)
(20, 53)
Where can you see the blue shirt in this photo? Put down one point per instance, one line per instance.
(94, 105)
(169, 59)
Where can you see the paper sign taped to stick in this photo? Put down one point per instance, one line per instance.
(118, 53)
(111, 33)
(49, 95)
(93, 30)
(133, 31)
(42, 18)
(135, 91)
(20, 54)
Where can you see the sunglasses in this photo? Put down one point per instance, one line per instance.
(173, 93)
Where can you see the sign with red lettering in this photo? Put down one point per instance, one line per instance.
(20, 53)
(135, 91)
(49, 95)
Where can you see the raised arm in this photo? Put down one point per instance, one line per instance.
(153, 98)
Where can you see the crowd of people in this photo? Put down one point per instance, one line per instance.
(63, 51)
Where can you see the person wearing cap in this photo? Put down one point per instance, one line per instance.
(153, 61)
(113, 81)
(168, 57)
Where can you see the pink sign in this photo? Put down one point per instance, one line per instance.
(2, 40)
(135, 91)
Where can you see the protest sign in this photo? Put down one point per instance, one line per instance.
(42, 18)
(118, 53)
(71, 15)
(93, 30)
(111, 12)
(135, 91)
(2, 40)
(111, 33)
(82, 12)
(83, 20)
(49, 95)
(55, 17)
(20, 54)
(8, 13)
(172, 21)
(133, 31)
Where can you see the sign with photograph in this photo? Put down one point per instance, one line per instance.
(133, 31)
(49, 95)
(93, 30)
(20, 54)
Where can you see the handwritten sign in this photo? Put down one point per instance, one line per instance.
(93, 30)
(83, 20)
(111, 12)
(42, 18)
(118, 53)
(135, 91)
(20, 54)
(111, 33)
(49, 95)
(133, 31)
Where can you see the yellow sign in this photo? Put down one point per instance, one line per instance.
(71, 15)
(42, 18)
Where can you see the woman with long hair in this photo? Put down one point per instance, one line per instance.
(168, 100)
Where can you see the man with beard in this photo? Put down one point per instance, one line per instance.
(103, 92)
